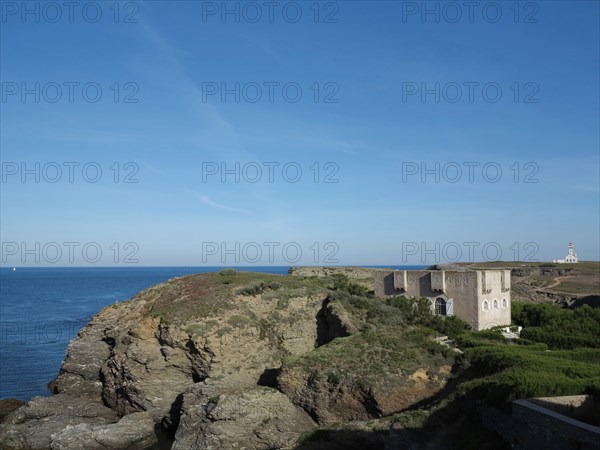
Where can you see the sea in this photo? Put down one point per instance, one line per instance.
(42, 309)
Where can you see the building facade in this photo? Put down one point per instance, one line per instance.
(479, 297)
(571, 258)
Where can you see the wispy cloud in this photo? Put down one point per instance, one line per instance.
(205, 199)
(169, 69)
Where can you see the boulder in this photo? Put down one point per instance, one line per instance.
(258, 418)
(133, 432)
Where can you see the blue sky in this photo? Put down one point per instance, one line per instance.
(367, 60)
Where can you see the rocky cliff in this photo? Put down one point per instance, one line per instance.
(227, 360)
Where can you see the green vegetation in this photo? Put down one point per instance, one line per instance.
(201, 329)
(316, 434)
(342, 283)
(258, 287)
(396, 336)
(227, 275)
(196, 297)
(288, 294)
(558, 328)
(228, 272)
(414, 418)
(343, 439)
(373, 356)
(223, 331)
(506, 373)
(238, 321)
(478, 338)
(578, 285)
(558, 355)
(396, 311)
(283, 303)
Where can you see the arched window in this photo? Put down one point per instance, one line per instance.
(486, 305)
(495, 304)
(504, 303)
(440, 306)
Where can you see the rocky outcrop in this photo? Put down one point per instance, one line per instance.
(133, 432)
(333, 322)
(198, 358)
(8, 405)
(366, 375)
(355, 273)
(128, 368)
(343, 396)
(219, 417)
(320, 271)
(34, 425)
(325, 400)
(149, 366)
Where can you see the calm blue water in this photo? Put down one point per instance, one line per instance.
(42, 309)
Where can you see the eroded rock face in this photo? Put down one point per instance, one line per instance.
(32, 425)
(133, 432)
(148, 367)
(79, 373)
(346, 398)
(325, 402)
(195, 356)
(214, 417)
(128, 368)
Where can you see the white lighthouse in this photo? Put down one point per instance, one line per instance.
(571, 258)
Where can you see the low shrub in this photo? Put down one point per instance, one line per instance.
(559, 328)
(258, 287)
(228, 272)
(237, 321)
(508, 372)
(342, 283)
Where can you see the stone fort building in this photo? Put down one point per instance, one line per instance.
(480, 297)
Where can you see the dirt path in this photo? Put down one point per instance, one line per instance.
(556, 283)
